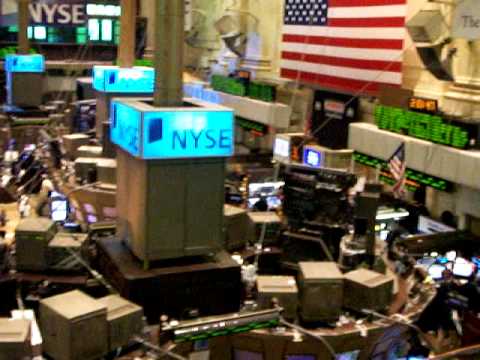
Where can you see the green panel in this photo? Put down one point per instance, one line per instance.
(422, 126)
(415, 178)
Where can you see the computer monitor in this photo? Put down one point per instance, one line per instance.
(351, 355)
(266, 189)
(463, 268)
(436, 271)
(246, 355)
(58, 207)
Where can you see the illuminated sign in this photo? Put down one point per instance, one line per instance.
(426, 127)
(200, 130)
(312, 158)
(123, 80)
(125, 128)
(24, 63)
(414, 178)
(66, 12)
(423, 105)
(281, 148)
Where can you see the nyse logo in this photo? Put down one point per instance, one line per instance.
(189, 138)
(57, 13)
(202, 139)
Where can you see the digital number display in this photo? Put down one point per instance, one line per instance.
(426, 127)
(423, 105)
(414, 178)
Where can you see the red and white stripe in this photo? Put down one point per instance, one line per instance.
(398, 169)
(360, 49)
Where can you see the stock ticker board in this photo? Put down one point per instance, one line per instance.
(426, 127)
(414, 178)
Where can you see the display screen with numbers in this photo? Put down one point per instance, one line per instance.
(427, 127)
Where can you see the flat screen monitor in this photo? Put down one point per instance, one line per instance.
(273, 202)
(58, 207)
(351, 355)
(281, 148)
(313, 158)
(301, 357)
(436, 271)
(246, 355)
(463, 268)
(256, 190)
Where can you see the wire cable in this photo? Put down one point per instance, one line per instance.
(158, 349)
(310, 334)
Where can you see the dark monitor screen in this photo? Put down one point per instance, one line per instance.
(246, 355)
(301, 357)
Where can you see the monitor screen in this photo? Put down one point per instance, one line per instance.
(301, 357)
(58, 207)
(351, 355)
(273, 202)
(282, 148)
(463, 268)
(107, 30)
(94, 29)
(246, 355)
(264, 189)
(436, 271)
(313, 158)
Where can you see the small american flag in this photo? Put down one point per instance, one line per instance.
(397, 166)
(346, 45)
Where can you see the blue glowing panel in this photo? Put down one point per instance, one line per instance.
(187, 134)
(126, 128)
(123, 80)
(24, 63)
(313, 158)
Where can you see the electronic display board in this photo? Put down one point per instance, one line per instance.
(173, 133)
(24, 63)
(113, 79)
(125, 128)
(414, 178)
(312, 157)
(426, 127)
(423, 105)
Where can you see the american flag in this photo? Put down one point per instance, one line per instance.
(345, 45)
(398, 167)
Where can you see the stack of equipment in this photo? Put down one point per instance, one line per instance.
(321, 291)
(272, 224)
(283, 288)
(14, 339)
(32, 237)
(74, 327)
(236, 227)
(124, 320)
(368, 290)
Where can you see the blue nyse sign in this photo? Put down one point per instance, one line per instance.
(114, 79)
(24, 63)
(182, 133)
(125, 128)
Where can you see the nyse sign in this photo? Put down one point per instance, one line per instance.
(72, 12)
(181, 134)
(186, 134)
